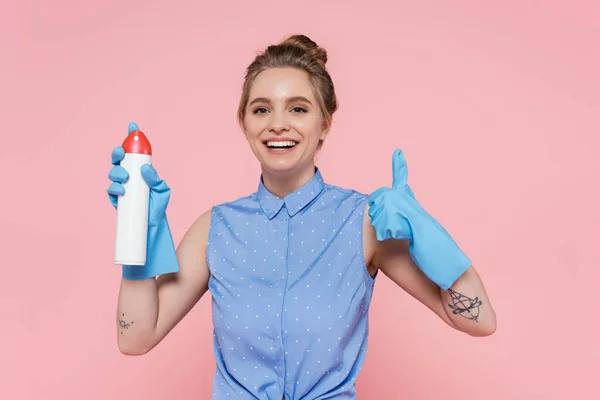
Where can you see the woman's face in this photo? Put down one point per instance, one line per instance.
(283, 123)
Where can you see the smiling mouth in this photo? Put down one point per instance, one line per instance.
(281, 145)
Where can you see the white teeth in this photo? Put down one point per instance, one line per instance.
(281, 144)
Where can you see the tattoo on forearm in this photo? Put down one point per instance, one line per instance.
(465, 306)
(123, 324)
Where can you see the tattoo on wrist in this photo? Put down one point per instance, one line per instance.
(124, 324)
(465, 306)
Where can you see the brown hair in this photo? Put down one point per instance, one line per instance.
(297, 51)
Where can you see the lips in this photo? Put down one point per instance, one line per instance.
(280, 145)
(280, 142)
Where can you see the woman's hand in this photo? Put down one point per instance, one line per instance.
(388, 207)
(160, 192)
(396, 214)
(161, 254)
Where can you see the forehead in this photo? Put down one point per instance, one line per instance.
(279, 83)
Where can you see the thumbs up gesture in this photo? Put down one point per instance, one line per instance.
(396, 214)
(389, 207)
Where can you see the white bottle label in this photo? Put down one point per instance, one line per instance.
(132, 213)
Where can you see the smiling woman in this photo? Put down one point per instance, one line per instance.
(291, 267)
(286, 108)
(284, 127)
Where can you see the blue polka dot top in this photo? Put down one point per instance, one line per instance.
(290, 294)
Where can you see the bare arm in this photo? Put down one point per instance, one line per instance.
(465, 306)
(468, 305)
(149, 309)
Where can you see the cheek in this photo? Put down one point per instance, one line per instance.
(253, 127)
(310, 128)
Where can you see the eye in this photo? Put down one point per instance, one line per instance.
(259, 110)
(298, 109)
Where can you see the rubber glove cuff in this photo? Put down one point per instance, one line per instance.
(161, 257)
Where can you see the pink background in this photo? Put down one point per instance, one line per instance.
(496, 108)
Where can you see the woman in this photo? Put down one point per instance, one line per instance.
(291, 267)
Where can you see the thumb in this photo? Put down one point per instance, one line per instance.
(399, 170)
(152, 179)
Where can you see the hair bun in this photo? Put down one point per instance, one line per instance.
(310, 47)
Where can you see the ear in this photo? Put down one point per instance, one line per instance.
(325, 127)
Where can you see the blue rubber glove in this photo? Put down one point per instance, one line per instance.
(161, 257)
(396, 213)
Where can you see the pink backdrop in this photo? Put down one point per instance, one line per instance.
(496, 107)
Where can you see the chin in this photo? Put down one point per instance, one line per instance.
(283, 167)
(281, 161)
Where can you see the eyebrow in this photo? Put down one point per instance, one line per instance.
(288, 100)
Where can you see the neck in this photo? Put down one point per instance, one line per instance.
(282, 184)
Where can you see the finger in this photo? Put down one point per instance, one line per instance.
(117, 155)
(132, 127)
(116, 189)
(152, 179)
(118, 174)
(399, 170)
(114, 200)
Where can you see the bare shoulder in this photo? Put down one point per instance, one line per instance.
(197, 233)
(370, 243)
(191, 251)
(202, 223)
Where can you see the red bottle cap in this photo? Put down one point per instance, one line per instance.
(137, 143)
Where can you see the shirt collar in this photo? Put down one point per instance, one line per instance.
(294, 201)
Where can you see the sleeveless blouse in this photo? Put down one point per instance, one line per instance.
(290, 294)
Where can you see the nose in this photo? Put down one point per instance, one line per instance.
(279, 123)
